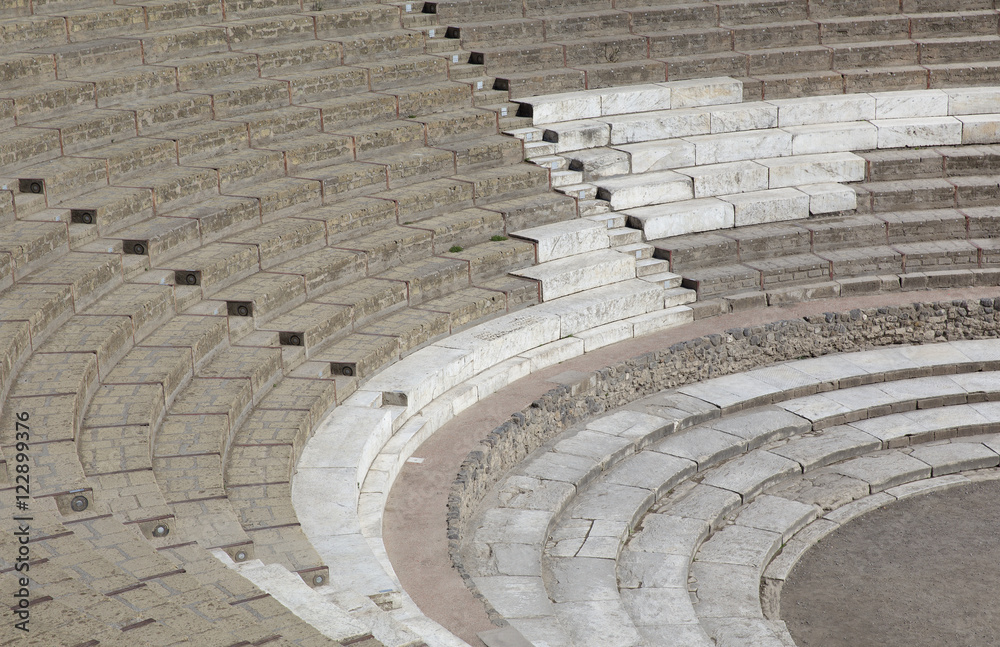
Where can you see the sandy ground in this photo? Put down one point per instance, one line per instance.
(414, 525)
(922, 572)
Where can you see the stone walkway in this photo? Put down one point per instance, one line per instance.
(414, 517)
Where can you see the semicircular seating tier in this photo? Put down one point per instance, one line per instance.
(222, 220)
(678, 517)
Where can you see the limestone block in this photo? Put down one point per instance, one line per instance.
(565, 106)
(743, 116)
(831, 445)
(830, 138)
(742, 545)
(973, 101)
(599, 162)
(829, 197)
(605, 304)
(704, 92)
(659, 606)
(515, 596)
(653, 471)
(926, 131)
(659, 155)
(671, 317)
(561, 239)
(596, 623)
(884, 470)
(773, 205)
(956, 457)
(580, 272)
(635, 98)
(553, 353)
(776, 514)
(824, 110)
(980, 129)
(907, 104)
(422, 376)
(747, 475)
(723, 179)
(703, 446)
(733, 147)
(652, 570)
(727, 590)
(678, 218)
(644, 189)
(576, 135)
(582, 578)
(505, 337)
(629, 129)
(814, 169)
(605, 335)
(670, 535)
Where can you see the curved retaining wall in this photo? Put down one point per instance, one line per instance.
(710, 356)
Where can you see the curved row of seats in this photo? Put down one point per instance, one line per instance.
(780, 49)
(599, 534)
(217, 219)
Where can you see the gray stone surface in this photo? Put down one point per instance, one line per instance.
(749, 474)
(777, 514)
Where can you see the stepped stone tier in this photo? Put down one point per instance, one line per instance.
(254, 252)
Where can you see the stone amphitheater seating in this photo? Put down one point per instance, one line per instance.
(229, 225)
(723, 474)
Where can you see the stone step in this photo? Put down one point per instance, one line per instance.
(213, 266)
(28, 146)
(430, 198)
(239, 98)
(567, 238)
(277, 60)
(524, 84)
(649, 266)
(599, 163)
(586, 24)
(580, 272)
(460, 229)
(496, 33)
(624, 236)
(50, 99)
(490, 262)
(431, 98)
(535, 210)
(500, 60)
(583, 191)
(22, 70)
(39, 31)
(111, 208)
(506, 183)
(485, 152)
(641, 251)
(63, 178)
(467, 10)
(668, 280)
(565, 178)
(458, 125)
(386, 45)
(678, 16)
(311, 86)
(632, 191)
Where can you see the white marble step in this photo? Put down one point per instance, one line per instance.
(650, 266)
(582, 191)
(565, 178)
(624, 235)
(666, 279)
(658, 187)
(641, 251)
(679, 218)
(567, 238)
(587, 104)
(581, 272)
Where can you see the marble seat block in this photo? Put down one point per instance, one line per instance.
(824, 110)
(773, 205)
(743, 116)
(814, 169)
(921, 131)
(906, 104)
(659, 155)
(980, 129)
(973, 101)
(645, 189)
(580, 272)
(635, 98)
(665, 124)
(561, 239)
(704, 92)
(678, 218)
(566, 106)
(596, 163)
(831, 138)
(734, 147)
(576, 135)
(722, 179)
(829, 197)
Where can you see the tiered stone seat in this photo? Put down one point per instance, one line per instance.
(222, 220)
(773, 449)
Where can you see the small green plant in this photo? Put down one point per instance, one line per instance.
(408, 222)
(497, 239)
(455, 249)
(411, 116)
